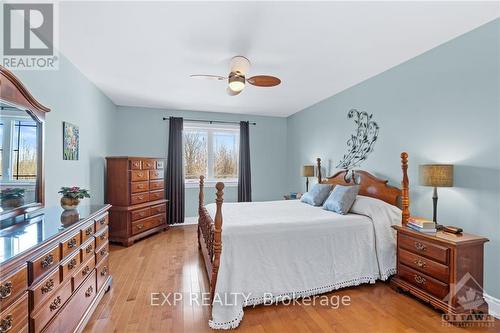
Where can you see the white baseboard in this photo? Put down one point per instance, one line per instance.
(493, 305)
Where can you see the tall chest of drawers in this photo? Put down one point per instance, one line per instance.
(443, 269)
(136, 189)
(54, 270)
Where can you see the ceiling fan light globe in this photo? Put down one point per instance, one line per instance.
(236, 86)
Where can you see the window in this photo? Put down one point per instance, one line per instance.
(211, 150)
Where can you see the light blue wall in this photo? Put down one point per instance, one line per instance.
(72, 98)
(442, 106)
(141, 131)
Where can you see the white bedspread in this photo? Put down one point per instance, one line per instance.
(291, 249)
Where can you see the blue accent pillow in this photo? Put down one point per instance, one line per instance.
(317, 195)
(341, 199)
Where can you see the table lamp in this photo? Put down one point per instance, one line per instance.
(308, 171)
(436, 175)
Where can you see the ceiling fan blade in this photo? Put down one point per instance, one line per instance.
(264, 81)
(231, 92)
(208, 77)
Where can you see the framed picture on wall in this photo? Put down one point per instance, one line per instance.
(71, 141)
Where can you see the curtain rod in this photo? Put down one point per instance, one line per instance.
(212, 121)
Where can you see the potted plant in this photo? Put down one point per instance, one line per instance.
(12, 197)
(71, 196)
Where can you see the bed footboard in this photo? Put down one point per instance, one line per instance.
(210, 234)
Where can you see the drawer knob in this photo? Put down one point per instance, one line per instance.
(103, 252)
(72, 263)
(6, 324)
(88, 231)
(140, 174)
(47, 261)
(140, 226)
(420, 247)
(89, 248)
(420, 263)
(5, 289)
(103, 236)
(419, 279)
(102, 221)
(104, 271)
(89, 291)
(47, 287)
(86, 270)
(56, 303)
(72, 243)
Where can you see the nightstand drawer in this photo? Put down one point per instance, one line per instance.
(423, 281)
(424, 248)
(424, 265)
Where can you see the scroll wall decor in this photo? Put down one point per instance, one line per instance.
(360, 144)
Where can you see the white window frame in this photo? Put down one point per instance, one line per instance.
(210, 181)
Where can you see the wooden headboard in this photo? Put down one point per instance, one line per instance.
(375, 187)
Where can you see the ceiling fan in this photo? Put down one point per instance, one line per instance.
(238, 69)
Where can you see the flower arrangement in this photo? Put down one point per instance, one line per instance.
(12, 193)
(71, 196)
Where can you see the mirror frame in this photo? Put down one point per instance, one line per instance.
(13, 92)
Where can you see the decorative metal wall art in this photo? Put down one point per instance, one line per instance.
(360, 144)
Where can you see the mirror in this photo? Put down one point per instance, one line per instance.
(21, 145)
(19, 158)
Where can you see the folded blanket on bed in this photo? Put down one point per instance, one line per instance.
(287, 249)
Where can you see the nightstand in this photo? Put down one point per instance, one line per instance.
(443, 269)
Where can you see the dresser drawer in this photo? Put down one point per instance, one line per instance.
(69, 266)
(101, 222)
(148, 164)
(156, 184)
(102, 252)
(12, 285)
(148, 223)
(421, 247)
(85, 270)
(135, 164)
(42, 264)
(15, 318)
(423, 281)
(87, 231)
(424, 265)
(102, 271)
(137, 187)
(101, 238)
(140, 214)
(139, 175)
(139, 198)
(78, 303)
(44, 313)
(157, 209)
(155, 174)
(45, 288)
(70, 244)
(156, 195)
(87, 249)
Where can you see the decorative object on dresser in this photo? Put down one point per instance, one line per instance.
(360, 144)
(443, 269)
(136, 189)
(54, 282)
(436, 175)
(71, 196)
(307, 171)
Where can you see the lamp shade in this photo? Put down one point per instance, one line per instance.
(436, 175)
(308, 171)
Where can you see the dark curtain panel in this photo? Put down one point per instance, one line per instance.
(245, 178)
(175, 172)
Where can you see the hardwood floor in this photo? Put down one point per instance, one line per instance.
(169, 262)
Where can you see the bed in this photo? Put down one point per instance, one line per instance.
(279, 250)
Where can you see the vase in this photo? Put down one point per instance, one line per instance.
(13, 202)
(69, 203)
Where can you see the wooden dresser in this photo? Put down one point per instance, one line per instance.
(136, 189)
(443, 269)
(53, 269)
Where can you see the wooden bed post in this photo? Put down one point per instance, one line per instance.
(200, 207)
(318, 160)
(217, 236)
(405, 197)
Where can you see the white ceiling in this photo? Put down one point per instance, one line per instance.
(142, 53)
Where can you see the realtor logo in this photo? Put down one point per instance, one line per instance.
(29, 36)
